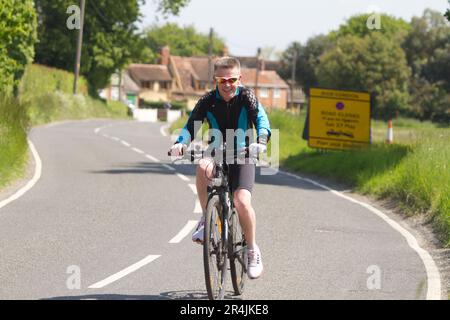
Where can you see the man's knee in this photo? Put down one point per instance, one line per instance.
(205, 169)
(242, 199)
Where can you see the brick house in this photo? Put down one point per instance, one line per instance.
(186, 79)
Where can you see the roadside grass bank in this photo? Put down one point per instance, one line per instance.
(413, 171)
(45, 95)
(13, 140)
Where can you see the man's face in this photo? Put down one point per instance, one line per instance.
(227, 80)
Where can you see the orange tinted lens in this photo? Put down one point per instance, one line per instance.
(225, 80)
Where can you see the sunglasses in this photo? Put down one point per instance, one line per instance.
(225, 80)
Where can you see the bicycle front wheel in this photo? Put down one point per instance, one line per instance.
(215, 254)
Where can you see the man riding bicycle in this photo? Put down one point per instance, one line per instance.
(230, 106)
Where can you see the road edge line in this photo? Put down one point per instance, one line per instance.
(30, 184)
(434, 288)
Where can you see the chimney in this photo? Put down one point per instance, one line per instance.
(165, 55)
(262, 64)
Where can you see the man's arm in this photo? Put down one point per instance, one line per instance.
(190, 130)
(258, 117)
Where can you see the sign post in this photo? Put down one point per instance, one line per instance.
(339, 119)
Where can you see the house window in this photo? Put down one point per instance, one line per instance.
(263, 93)
(164, 85)
(276, 93)
(147, 84)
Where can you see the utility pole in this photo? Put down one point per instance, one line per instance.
(211, 32)
(79, 45)
(294, 65)
(257, 72)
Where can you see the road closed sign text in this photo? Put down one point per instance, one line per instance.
(338, 119)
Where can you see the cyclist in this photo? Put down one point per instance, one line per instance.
(230, 106)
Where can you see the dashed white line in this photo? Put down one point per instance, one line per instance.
(193, 187)
(115, 139)
(168, 167)
(126, 144)
(162, 129)
(32, 182)
(124, 272)
(138, 150)
(184, 232)
(151, 158)
(433, 276)
(182, 177)
(198, 207)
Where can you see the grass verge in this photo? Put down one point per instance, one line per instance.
(13, 140)
(414, 170)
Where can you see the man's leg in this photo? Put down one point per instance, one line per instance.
(247, 217)
(204, 174)
(242, 202)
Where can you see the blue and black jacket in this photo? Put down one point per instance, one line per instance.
(242, 112)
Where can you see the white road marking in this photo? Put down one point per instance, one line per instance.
(198, 207)
(126, 144)
(124, 272)
(168, 167)
(184, 232)
(162, 129)
(115, 139)
(182, 177)
(32, 182)
(106, 136)
(137, 150)
(193, 187)
(151, 158)
(433, 276)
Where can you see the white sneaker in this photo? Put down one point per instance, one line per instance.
(255, 265)
(197, 236)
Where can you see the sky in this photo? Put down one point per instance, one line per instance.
(246, 25)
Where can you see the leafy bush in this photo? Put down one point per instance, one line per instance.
(17, 38)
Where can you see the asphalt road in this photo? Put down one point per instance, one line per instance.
(97, 225)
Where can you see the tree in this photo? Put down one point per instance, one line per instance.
(17, 38)
(427, 49)
(172, 6)
(308, 58)
(110, 37)
(372, 63)
(182, 41)
(390, 27)
(447, 13)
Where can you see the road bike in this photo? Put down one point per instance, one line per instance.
(224, 242)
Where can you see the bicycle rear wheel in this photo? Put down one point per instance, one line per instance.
(237, 254)
(215, 253)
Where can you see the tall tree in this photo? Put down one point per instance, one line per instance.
(390, 27)
(427, 49)
(374, 64)
(308, 58)
(447, 13)
(17, 38)
(183, 41)
(110, 38)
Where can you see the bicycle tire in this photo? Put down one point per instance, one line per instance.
(215, 251)
(237, 254)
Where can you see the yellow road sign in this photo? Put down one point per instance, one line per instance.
(338, 119)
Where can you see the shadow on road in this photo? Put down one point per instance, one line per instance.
(171, 295)
(278, 179)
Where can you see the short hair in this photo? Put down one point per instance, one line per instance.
(227, 63)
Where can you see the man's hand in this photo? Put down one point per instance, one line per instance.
(256, 148)
(177, 150)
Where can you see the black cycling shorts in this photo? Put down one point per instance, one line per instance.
(242, 176)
